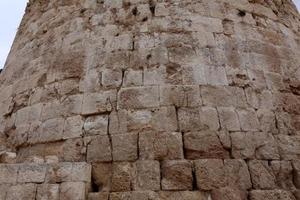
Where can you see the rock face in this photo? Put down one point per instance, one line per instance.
(152, 100)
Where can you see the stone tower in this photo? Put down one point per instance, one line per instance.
(152, 100)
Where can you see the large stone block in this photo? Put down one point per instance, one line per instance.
(73, 127)
(135, 195)
(203, 144)
(228, 193)
(122, 177)
(23, 191)
(96, 125)
(97, 103)
(47, 192)
(72, 190)
(99, 149)
(8, 174)
(210, 174)
(32, 173)
(262, 175)
(229, 119)
(160, 146)
(102, 175)
(183, 195)
(271, 195)
(125, 147)
(147, 175)
(138, 97)
(248, 120)
(177, 175)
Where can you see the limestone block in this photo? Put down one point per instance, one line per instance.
(4, 190)
(257, 79)
(122, 177)
(274, 81)
(32, 173)
(286, 177)
(47, 192)
(147, 175)
(251, 145)
(148, 119)
(51, 110)
(8, 173)
(207, 23)
(209, 118)
(97, 103)
(262, 175)
(73, 127)
(102, 175)
(271, 194)
(138, 97)
(267, 120)
(177, 175)
(184, 195)
(228, 193)
(74, 150)
(203, 144)
(98, 195)
(96, 125)
(111, 78)
(8, 157)
(179, 96)
(216, 75)
(133, 78)
(262, 99)
(23, 191)
(229, 119)
(237, 174)
(248, 120)
(210, 174)
(223, 96)
(135, 195)
(160, 146)
(72, 190)
(71, 105)
(289, 146)
(125, 147)
(121, 42)
(52, 130)
(99, 149)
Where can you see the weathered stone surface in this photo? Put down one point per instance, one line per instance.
(177, 175)
(271, 194)
(72, 190)
(228, 193)
(47, 192)
(32, 173)
(8, 173)
(203, 144)
(262, 175)
(160, 146)
(184, 195)
(22, 191)
(125, 147)
(229, 119)
(135, 195)
(122, 177)
(101, 176)
(99, 149)
(96, 125)
(73, 127)
(98, 195)
(210, 174)
(148, 175)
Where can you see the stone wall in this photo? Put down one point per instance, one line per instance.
(152, 100)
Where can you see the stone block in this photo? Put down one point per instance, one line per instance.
(72, 190)
(138, 97)
(183, 195)
(223, 96)
(260, 99)
(216, 75)
(73, 127)
(209, 118)
(125, 147)
(210, 174)
(286, 176)
(22, 191)
(32, 173)
(96, 125)
(47, 192)
(289, 146)
(180, 96)
(4, 189)
(102, 175)
(122, 176)
(8, 173)
(73, 150)
(177, 175)
(147, 175)
(267, 120)
(97, 103)
(52, 130)
(248, 120)
(237, 174)
(71, 105)
(203, 144)
(229, 119)
(133, 78)
(99, 149)
(160, 146)
(122, 42)
(271, 195)
(262, 175)
(111, 78)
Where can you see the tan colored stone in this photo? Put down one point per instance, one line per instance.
(122, 177)
(73, 127)
(31, 173)
(125, 147)
(228, 193)
(99, 149)
(160, 146)
(135, 195)
(148, 175)
(96, 125)
(184, 195)
(177, 175)
(271, 194)
(47, 192)
(98, 195)
(262, 175)
(229, 119)
(72, 190)
(102, 175)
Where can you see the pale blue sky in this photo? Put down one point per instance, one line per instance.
(11, 12)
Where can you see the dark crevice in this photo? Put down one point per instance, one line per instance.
(242, 13)
(152, 7)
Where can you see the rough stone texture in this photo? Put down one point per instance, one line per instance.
(152, 100)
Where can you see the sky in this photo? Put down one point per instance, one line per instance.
(11, 12)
